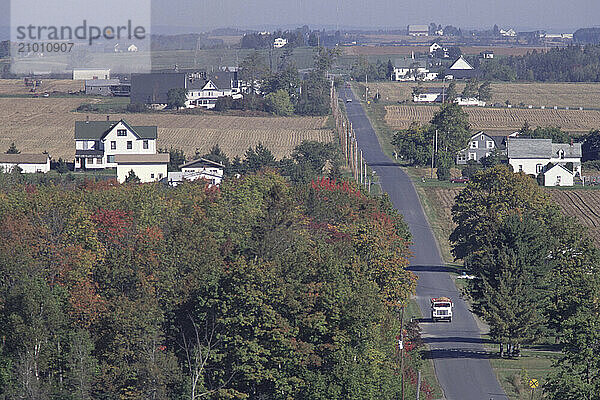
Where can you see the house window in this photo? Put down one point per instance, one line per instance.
(474, 144)
(561, 154)
(129, 145)
(91, 160)
(160, 176)
(558, 179)
(473, 156)
(490, 144)
(110, 159)
(121, 132)
(520, 168)
(85, 145)
(113, 145)
(538, 168)
(151, 176)
(462, 157)
(145, 145)
(98, 160)
(482, 138)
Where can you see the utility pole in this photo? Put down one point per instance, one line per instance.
(402, 349)
(366, 89)
(432, 150)
(418, 384)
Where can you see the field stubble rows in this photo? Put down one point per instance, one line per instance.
(47, 124)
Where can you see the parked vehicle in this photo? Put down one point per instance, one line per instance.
(462, 179)
(348, 100)
(441, 309)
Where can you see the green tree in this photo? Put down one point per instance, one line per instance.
(485, 91)
(176, 98)
(451, 93)
(258, 157)
(590, 147)
(176, 158)
(471, 89)
(414, 144)
(132, 177)
(253, 69)
(12, 149)
(62, 167)
(452, 124)
(279, 103)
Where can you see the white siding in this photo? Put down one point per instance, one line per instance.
(26, 168)
(146, 172)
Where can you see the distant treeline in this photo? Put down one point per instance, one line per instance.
(191, 41)
(587, 36)
(567, 64)
(296, 38)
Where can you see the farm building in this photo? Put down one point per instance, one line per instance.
(430, 95)
(147, 167)
(100, 87)
(29, 163)
(279, 42)
(481, 145)
(203, 169)
(82, 74)
(202, 90)
(461, 69)
(98, 142)
(535, 156)
(557, 175)
(407, 70)
(418, 30)
(469, 101)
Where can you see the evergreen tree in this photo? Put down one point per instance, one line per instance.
(12, 149)
(132, 177)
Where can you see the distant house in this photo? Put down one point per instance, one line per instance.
(98, 142)
(29, 163)
(487, 55)
(430, 95)
(481, 145)
(202, 90)
(147, 167)
(279, 42)
(408, 70)
(434, 47)
(538, 156)
(82, 74)
(198, 169)
(100, 87)
(508, 33)
(418, 30)
(132, 49)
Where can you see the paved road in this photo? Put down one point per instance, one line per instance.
(461, 364)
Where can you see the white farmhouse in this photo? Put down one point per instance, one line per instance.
(540, 156)
(279, 42)
(29, 163)
(82, 74)
(201, 168)
(430, 95)
(147, 167)
(98, 142)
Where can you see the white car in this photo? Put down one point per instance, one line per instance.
(348, 100)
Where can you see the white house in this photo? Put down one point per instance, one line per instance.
(132, 49)
(279, 42)
(29, 163)
(430, 95)
(435, 47)
(469, 101)
(487, 55)
(508, 33)
(198, 169)
(558, 175)
(147, 167)
(481, 145)
(535, 156)
(219, 85)
(98, 142)
(81, 74)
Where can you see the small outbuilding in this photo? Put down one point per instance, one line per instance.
(557, 175)
(29, 163)
(147, 167)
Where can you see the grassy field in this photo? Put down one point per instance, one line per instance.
(574, 95)
(47, 124)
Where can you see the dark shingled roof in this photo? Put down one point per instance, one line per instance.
(201, 162)
(23, 158)
(541, 148)
(96, 130)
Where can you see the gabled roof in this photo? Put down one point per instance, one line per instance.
(461, 64)
(97, 130)
(159, 158)
(557, 166)
(571, 151)
(529, 148)
(200, 162)
(23, 158)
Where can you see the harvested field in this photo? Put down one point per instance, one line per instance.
(584, 205)
(574, 95)
(503, 119)
(47, 124)
(16, 86)
(407, 50)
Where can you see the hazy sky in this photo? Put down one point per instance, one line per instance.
(552, 15)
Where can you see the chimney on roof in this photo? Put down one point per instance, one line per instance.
(108, 117)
